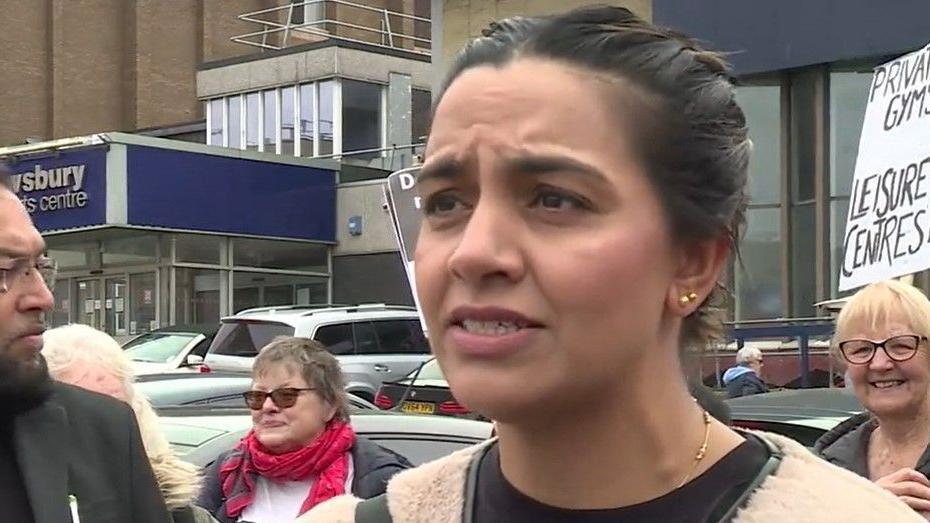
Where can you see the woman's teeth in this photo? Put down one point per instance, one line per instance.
(887, 384)
(490, 328)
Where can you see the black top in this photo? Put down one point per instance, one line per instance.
(13, 497)
(88, 445)
(704, 499)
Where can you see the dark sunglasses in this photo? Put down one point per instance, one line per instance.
(283, 398)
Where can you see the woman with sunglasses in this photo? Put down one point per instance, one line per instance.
(881, 335)
(583, 184)
(301, 450)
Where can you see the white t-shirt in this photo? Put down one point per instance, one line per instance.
(277, 501)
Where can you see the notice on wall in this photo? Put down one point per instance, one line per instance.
(888, 226)
(404, 207)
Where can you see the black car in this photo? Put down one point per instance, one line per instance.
(801, 414)
(423, 391)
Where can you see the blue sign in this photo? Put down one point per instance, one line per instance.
(204, 192)
(63, 191)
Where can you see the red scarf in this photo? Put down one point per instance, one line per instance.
(326, 460)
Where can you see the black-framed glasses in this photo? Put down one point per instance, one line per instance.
(283, 398)
(898, 348)
(15, 270)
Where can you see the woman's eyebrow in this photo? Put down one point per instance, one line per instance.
(440, 169)
(548, 163)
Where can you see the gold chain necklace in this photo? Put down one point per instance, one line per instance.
(702, 451)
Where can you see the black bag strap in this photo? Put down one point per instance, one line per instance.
(771, 465)
(375, 510)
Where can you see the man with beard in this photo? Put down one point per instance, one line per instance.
(66, 454)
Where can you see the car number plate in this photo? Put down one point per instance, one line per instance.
(418, 407)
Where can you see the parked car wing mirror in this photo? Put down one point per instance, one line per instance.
(193, 360)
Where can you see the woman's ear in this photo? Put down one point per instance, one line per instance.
(699, 267)
(330, 412)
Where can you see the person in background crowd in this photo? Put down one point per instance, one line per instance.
(86, 357)
(574, 230)
(301, 450)
(882, 333)
(62, 449)
(744, 379)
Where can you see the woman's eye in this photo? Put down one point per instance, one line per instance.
(557, 201)
(442, 204)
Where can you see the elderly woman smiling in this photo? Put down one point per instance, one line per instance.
(301, 450)
(882, 335)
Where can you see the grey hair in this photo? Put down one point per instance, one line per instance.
(747, 355)
(317, 366)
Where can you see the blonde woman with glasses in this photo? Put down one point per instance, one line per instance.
(881, 335)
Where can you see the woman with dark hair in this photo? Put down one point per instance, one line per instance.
(583, 185)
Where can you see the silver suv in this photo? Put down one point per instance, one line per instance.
(374, 343)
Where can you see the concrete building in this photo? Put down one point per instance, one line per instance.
(299, 107)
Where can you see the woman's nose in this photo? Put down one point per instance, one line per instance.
(489, 245)
(881, 361)
(268, 405)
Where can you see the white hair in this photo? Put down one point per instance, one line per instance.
(62, 347)
(747, 355)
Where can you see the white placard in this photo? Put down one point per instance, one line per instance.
(404, 206)
(888, 225)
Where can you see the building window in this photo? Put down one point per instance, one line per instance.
(307, 119)
(268, 254)
(129, 250)
(421, 113)
(758, 274)
(270, 117)
(197, 295)
(263, 289)
(759, 271)
(143, 303)
(234, 123)
(288, 115)
(252, 121)
(802, 191)
(325, 104)
(215, 116)
(849, 92)
(197, 248)
(361, 118)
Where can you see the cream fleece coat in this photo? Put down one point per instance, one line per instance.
(804, 489)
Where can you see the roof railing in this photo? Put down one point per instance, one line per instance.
(283, 25)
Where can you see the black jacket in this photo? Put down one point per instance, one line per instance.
(86, 444)
(847, 446)
(745, 384)
(372, 467)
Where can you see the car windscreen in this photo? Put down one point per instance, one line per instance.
(158, 347)
(247, 337)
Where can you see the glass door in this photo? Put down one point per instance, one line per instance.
(89, 304)
(115, 306)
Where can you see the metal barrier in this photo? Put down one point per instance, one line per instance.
(390, 158)
(279, 24)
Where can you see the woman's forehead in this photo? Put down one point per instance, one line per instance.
(528, 100)
(279, 372)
